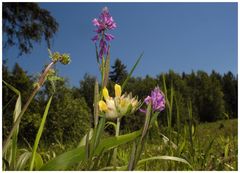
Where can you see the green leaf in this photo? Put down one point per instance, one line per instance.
(130, 74)
(17, 111)
(99, 131)
(87, 150)
(95, 103)
(38, 162)
(132, 157)
(111, 123)
(39, 134)
(65, 160)
(171, 106)
(208, 148)
(112, 142)
(110, 168)
(141, 142)
(154, 118)
(107, 68)
(165, 87)
(182, 146)
(226, 150)
(171, 158)
(50, 53)
(76, 155)
(147, 121)
(167, 140)
(25, 157)
(83, 140)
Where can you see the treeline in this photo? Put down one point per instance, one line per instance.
(212, 96)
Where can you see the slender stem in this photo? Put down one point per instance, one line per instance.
(118, 126)
(35, 90)
(115, 149)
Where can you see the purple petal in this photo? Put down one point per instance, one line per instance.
(102, 43)
(142, 110)
(95, 38)
(109, 37)
(105, 10)
(95, 22)
(101, 54)
(147, 100)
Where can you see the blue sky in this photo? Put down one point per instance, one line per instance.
(178, 36)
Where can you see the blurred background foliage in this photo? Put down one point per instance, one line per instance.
(213, 97)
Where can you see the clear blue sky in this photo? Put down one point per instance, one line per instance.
(178, 36)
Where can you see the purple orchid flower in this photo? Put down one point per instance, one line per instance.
(157, 99)
(103, 23)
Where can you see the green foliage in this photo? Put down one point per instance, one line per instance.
(26, 23)
(229, 87)
(17, 110)
(39, 134)
(68, 117)
(76, 155)
(87, 89)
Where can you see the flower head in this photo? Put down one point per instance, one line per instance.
(103, 23)
(157, 99)
(118, 106)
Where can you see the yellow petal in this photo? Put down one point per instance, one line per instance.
(118, 90)
(105, 93)
(102, 106)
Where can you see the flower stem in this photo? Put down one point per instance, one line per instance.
(35, 90)
(115, 149)
(118, 126)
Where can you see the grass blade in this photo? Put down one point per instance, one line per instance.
(107, 68)
(171, 158)
(132, 157)
(17, 111)
(141, 141)
(39, 134)
(99, 132)
(112, 142)
(147, 120)
(22, 160)
(130, 74)
(65, 160)
(84, 139)
(95, 104)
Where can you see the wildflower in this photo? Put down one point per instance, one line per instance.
(103, 23)
(157, 99)
(118, 106)
(118, 90)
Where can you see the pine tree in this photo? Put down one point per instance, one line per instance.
(119, 72)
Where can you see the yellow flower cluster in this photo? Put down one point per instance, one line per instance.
(118, 106)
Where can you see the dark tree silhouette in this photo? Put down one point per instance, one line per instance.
(25, 23)
(119, 72)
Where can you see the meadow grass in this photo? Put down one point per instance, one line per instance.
(221, 155)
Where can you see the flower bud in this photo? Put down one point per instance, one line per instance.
(105, 93)
(118, 90)
(102, 106)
